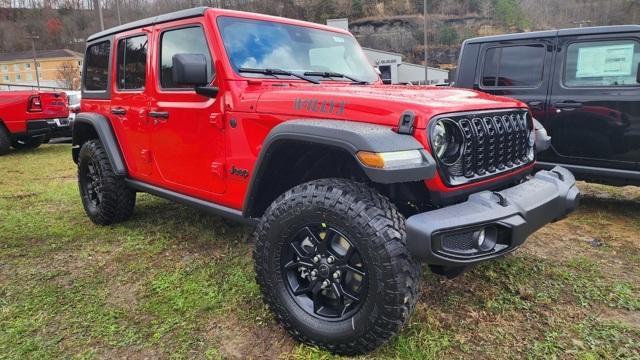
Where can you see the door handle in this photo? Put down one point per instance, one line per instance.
(568, 105)
(535, 105)
(118, 111)
(159, 114)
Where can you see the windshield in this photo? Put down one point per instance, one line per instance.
(260, 44)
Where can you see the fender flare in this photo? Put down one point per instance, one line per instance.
(350, 137)
(104, 131)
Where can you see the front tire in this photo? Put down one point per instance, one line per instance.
(332, 264)
(5, 140)
(105, 196)
(29, 142)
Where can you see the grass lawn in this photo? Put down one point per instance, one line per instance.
(176, 283)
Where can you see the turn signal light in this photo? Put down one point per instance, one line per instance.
(394, 159)
(371, 159)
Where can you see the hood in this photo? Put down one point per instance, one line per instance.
(379, 104)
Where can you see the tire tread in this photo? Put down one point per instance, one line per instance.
(367, 206)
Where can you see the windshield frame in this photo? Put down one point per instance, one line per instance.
(294, 23)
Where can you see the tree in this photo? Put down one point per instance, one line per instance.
(448, 35)
(68, 76)
(357, 9)
(510, 14)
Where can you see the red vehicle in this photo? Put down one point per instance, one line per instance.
(285, 125)
(27, 117)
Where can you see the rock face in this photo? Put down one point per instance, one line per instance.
(391, 34)
(404, 35)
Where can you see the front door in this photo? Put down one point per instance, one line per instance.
(518, 69)
(188, 136)
(130, 101)
(595, 101)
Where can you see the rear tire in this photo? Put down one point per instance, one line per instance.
(105, 196)
(377, 284)
(5, 140)
(28, 142)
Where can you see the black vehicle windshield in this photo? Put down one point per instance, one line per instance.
(258, 44)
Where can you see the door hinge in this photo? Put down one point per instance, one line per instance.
(216, 120)
(218, 169)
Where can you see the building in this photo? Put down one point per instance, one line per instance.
(392, 69)
(57, 68)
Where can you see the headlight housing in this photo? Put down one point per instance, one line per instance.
(446, 141)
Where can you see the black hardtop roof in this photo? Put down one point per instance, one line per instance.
(552, 33)
(176, 15)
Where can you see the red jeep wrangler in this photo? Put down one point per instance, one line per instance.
(285, 125)
(27, 117)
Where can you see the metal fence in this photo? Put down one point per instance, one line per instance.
(10, 87)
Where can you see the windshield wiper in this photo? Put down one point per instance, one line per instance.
(329, 74)
(275, 72)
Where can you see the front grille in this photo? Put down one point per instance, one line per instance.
(494, 142)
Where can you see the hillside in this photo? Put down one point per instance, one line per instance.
(393, 25)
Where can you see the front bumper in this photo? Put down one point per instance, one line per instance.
(491, 224)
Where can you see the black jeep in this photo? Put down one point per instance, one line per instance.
(582, 84)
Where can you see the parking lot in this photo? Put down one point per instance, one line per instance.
(175, 282)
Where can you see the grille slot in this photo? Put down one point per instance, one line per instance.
(494, 142)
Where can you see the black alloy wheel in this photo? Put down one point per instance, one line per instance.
(92, 183)
(324, 272)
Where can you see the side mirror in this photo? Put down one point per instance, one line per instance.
(189, 69)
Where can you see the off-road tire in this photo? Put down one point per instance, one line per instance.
(29, 142)
(5, 140)
(377, 229)
(117, 199)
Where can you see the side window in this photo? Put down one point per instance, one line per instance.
(181, 41)
(602, 63)
(132, 62)
(96, 77)
(514, 66)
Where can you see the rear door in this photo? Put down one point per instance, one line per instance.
(594, 116)
(519, 69)
(130, 100)
(188, 132)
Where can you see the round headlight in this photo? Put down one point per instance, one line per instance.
(439, 139)
(446, 141)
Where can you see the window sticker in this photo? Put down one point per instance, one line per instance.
(601, 61)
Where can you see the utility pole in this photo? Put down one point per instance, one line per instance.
(426, 49)
(98, 6)
(33, 39)
(118, 11)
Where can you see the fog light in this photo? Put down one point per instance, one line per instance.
(485, 238)
(479, 238)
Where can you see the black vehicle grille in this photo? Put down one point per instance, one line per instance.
(494, 142)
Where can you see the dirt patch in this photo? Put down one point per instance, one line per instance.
(627, 317)
(20, 196)
(237, 340)
(131, 353)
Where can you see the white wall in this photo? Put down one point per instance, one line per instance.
(404, 72)
(382, 58)
(411, 73)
